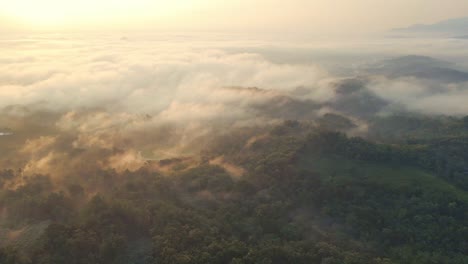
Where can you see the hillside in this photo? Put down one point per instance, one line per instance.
(303, 197)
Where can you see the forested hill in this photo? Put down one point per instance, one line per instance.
(291, 193)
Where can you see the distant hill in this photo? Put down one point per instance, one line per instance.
(447, 28)
(421, 67)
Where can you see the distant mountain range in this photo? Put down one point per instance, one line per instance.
(454, 28)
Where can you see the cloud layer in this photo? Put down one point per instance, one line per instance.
(78, 102)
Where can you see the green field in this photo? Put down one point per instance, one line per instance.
(393, 177)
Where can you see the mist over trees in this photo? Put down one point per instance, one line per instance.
(116, 150)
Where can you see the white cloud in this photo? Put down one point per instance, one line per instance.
(138, 76)
(423, 96)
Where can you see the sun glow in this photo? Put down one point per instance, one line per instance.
(64, 13)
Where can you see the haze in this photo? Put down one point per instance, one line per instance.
(317, 17)
(237, 132)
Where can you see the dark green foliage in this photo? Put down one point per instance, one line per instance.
(35, 201)
(308, 196)
(447, 158)
(10, 256)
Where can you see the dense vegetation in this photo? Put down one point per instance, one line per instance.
(308, 195)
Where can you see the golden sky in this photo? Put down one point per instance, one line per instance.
(311, 16)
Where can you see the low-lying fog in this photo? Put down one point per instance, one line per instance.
(116, 100)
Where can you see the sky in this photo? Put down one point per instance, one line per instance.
(334, 17)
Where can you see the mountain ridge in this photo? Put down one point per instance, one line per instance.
(448, 28)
